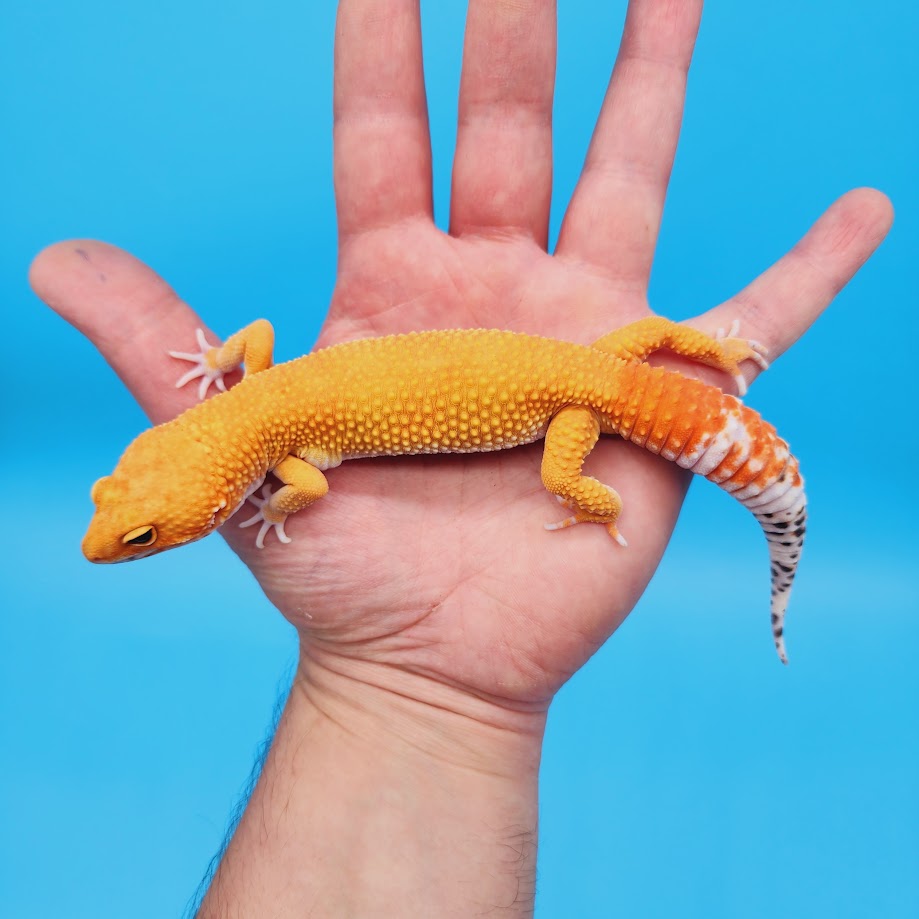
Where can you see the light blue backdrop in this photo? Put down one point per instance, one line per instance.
(686, 773)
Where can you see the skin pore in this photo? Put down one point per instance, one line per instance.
(402, 779)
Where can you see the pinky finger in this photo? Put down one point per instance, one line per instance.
(780, 305)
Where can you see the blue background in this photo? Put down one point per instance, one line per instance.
(686, 773)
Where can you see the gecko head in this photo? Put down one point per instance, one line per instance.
(163, 493)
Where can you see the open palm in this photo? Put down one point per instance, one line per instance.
(440, 566)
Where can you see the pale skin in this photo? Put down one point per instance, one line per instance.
(403, 776)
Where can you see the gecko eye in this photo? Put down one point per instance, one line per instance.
(142, 536)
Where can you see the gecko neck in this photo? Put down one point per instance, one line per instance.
(247, 437)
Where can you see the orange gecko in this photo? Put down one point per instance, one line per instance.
(459, 391)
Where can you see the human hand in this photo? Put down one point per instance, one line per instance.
(437, 617)
(438, 569)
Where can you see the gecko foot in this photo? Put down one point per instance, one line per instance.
(203, 368)
(576, 519)
(266, 524)
(741, 349)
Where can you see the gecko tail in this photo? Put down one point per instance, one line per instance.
(774, 494)
(715, 435)
(784, 529)
(743, 454)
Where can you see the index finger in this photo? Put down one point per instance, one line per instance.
(382, 145)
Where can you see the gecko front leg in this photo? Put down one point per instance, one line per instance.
(250, 347)
(303, 484)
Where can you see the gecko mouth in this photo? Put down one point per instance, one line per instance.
(133, 558)
(102, 558)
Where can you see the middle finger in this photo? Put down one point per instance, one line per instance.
(502, 173)
(614, 215)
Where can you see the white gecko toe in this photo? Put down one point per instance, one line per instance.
(561, 524)
(759, 353)
(266, 525)
(730, 332)
(201, 369)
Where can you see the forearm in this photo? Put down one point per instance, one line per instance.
(373, 803)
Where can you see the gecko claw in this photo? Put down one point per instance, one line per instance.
(758, 352)
(562, 524)
(741, 349)
(266, 524)
(611, 529)
(574, 520)
(202, 368)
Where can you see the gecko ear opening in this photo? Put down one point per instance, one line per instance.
(142, 536)
(94, 491)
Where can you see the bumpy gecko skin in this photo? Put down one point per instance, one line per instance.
(461, 391)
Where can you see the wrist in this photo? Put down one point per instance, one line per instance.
(388, 793)
(416, 718)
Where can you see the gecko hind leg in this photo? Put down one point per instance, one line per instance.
(250, 347)
(572, 434)
(723, 351)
